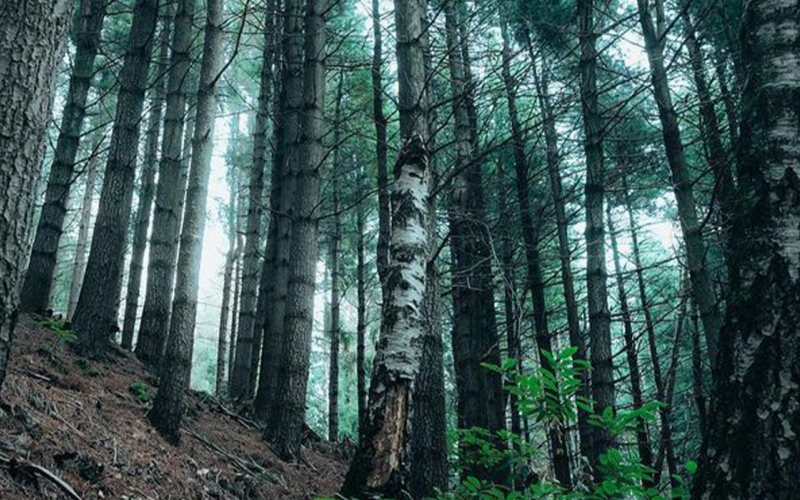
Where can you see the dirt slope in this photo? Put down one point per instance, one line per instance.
(85, 422)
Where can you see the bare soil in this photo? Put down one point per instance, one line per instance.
(67, 422)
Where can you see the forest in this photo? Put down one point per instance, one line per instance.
(400, 249)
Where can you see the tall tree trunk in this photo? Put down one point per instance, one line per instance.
(511, 309)
(698, 388)
(481, 402)
(380, 464)
(535, 281)
(247, 350)
(757, 384)
(287, 413)
(631, 350)
(237, 280)
(381, 147)
(718, 162)
(154, 325)
(664, 411)
(82, 244)
(95, 318)
(428, 448)
(282, 196)
(168, 405)
(228, 275)
(335, 244)
(147, 188)
(32, 37)
(361, 322)
(696, 257)
(596, 274)
(562, 229)
(39, 278)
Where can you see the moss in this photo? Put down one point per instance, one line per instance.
(61, 328)
(141, 391)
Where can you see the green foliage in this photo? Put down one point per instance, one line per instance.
(87, 368)
(549, 398)
(60, 327)
(141, 391)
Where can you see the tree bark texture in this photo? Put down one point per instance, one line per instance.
(32, 38)
(95, 315)
(168, 405)
(167, 214)
(36, 289)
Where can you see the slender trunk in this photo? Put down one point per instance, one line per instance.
(237, 280)
(535, 281)
(511, 310)
(95, 318)
(84, 225)
(381, 147)
(228, 273)
(281, 203)
(147, 188)
(481, 402)
(562, 229)
(168, 405)
(32, 39)
(559, 202)
(361, 324)
(698, 389)
(728, 102)
(757, 380)
(596, 273)
(39, 278)
(718, 162)
(696, 257)
(247, 349)
(380, 465)
(631, 350)
(287, 414)
(665, 411)
(335, 244)
(154, 325)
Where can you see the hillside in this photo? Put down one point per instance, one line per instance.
(66, 423)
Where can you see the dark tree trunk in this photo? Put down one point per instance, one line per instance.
(381, 147)
(82, 245)
(428, 441)
(361, 324)
(335, 266)
(665, 411)
(147, 187)
(281, 198)
(480, 401)
(380, 463)
(535, 281)
(39, 278)
(32, 37)
(602, 377)
(167, 215)
(631, 349)
(562, 229)
(95, 317)
(168, 405)
(757, 384)
(718, 158)
(287, 413)
(228, 275)
(702, 286)
(247, 351)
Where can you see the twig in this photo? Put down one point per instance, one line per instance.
(69, 490)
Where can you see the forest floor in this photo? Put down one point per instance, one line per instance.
(73, 428)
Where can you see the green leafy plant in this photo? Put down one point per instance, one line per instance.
(141, 391)
(549, 398)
